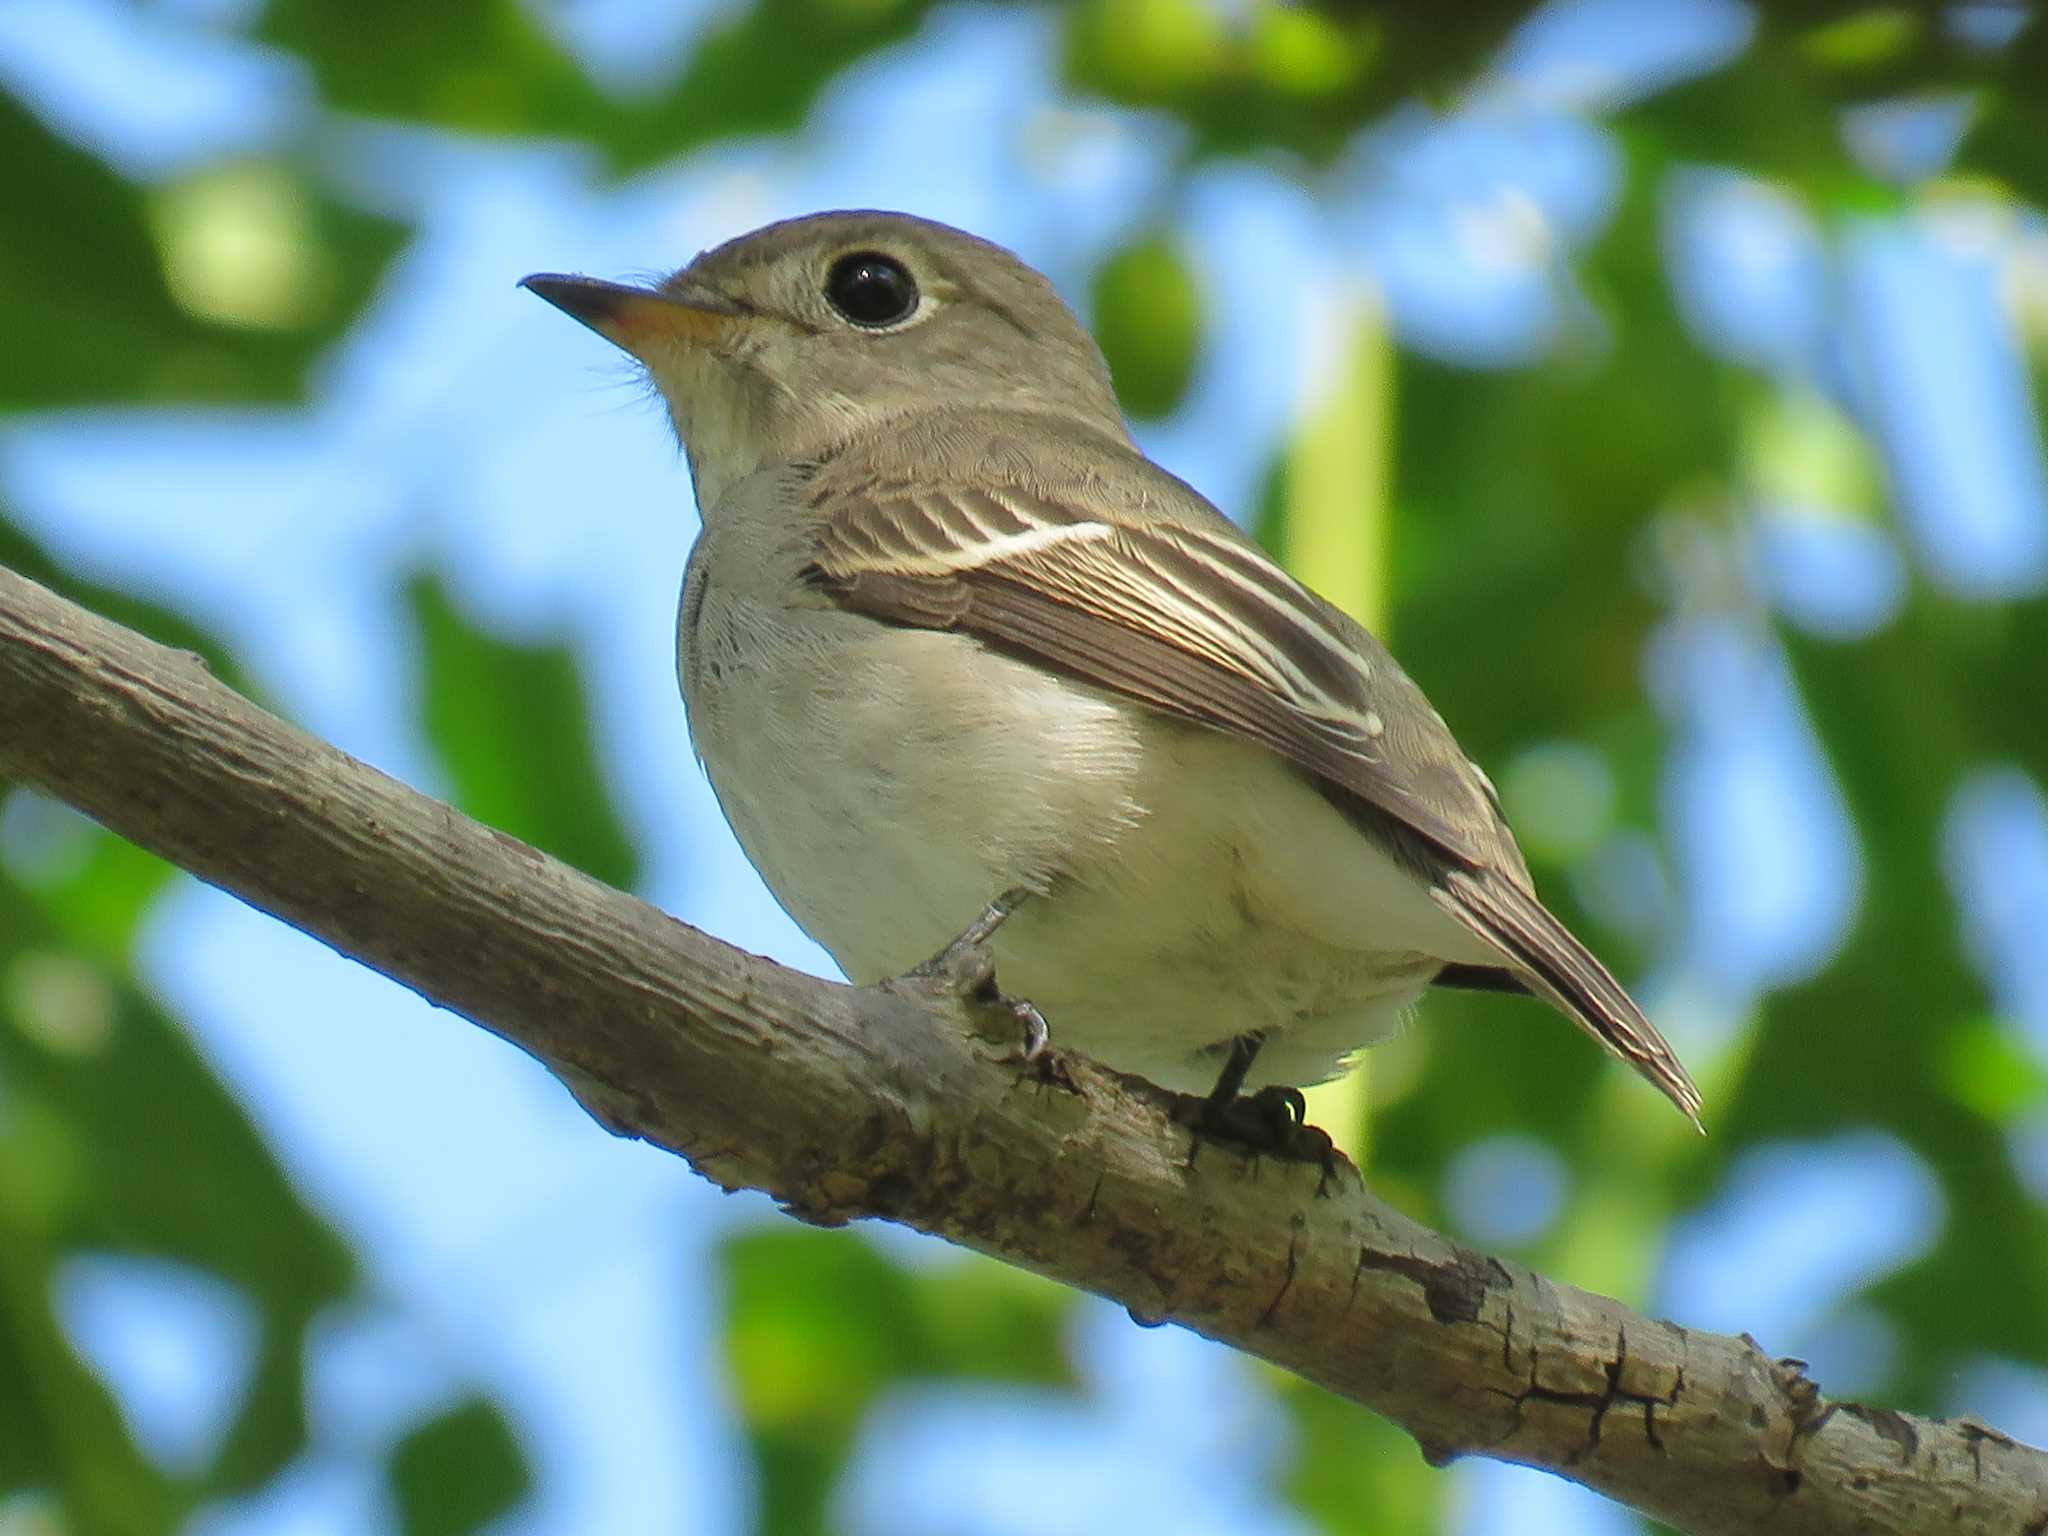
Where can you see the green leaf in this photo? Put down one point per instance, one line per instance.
(100, 318)
(1302, 79)
(94, 318)
(480, 66)
(1768, 112)
(991, 1322)
(458, 1472)
(1300, 53)
(61, 1432)
(1333, 533)
(1147, 52)
(1868, 35)
(483, 66)
(511, 726)
(818, 1325)
(2009, 138)
(1147, 307)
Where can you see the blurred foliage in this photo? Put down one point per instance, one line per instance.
(1348, 1469)
(457, 1472)
(98, 319)
(511, 727)
(1147, 310)
(116, 1139)
(821, 1327)
(1872, 1036)
(1499, 527)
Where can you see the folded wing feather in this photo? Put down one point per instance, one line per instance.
(1191, 619)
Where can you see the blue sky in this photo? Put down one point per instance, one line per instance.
(467, 426)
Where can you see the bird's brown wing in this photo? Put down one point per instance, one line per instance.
(1191, 622)
(1187, 617)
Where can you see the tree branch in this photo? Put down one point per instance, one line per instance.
(893, 1102)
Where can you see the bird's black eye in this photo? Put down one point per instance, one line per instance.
(870, 289)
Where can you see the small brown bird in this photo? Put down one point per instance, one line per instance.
(947, 635)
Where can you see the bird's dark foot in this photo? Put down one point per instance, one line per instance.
(1269, 1123)
(1272, 1122)
(1265, 1121)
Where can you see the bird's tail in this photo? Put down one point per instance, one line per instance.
(1557, 967)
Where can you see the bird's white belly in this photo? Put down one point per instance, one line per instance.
(1190, 887)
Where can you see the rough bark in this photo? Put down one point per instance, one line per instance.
(910, 1102)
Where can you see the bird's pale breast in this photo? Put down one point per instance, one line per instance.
(1192, 886)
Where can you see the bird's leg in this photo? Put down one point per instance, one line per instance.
(1266, 1119)
(965, 960)
(1244, 1050)
(974, 935)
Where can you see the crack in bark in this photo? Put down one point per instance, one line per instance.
(1975, 1433)
(1088, 1211)
(1806, 1412)
(1893, 1426)
(1598, 1404)
(1651, 1405)
(1287, 1280)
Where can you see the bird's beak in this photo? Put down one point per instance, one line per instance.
(637, 319)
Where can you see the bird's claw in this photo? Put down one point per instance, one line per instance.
(1272, 1123)
(965, 964)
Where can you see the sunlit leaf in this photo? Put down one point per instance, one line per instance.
(1147, 51)
(1300, 53)
(1872, 34)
